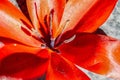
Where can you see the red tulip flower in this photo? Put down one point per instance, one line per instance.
(56, 39)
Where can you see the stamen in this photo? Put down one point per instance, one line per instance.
(52, 42)
(51, 20)
(26, 24)
(46, 30)
(36, 13)
(25, 31)
(26, 27)
(42, 29)
(65, 25)
(59, 37)
(51, 26)
(31, 31)
(70, 39)
(46, 23)
(36, 33)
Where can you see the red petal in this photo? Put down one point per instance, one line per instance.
(23, 65)
(20, 61)
(85, 15)
(43, 9)
(96, 53)
(61, 69)
(8, 47)
(11, 25)
(33, 9)
(96, 16)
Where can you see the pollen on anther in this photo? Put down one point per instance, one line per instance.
(43, 46)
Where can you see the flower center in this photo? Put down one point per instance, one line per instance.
(44, 32)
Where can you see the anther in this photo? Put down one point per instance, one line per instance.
(51, 20)
(70, 39)
(43, 46)
(52, 42)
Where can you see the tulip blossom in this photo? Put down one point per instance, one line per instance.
(55, 38)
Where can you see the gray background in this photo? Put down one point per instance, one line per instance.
(112, 25)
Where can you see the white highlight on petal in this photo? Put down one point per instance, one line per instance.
(15, 44)
(2, 44)
(9, 78)
(93, 76)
